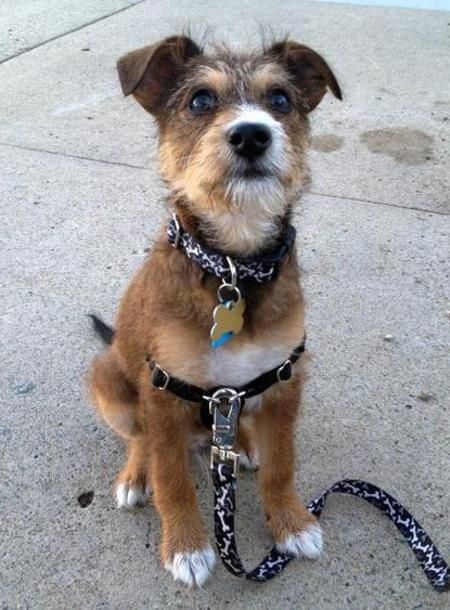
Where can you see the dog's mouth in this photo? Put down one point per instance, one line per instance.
(252, 171)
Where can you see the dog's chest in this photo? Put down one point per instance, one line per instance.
(225, 367)
(235, 367)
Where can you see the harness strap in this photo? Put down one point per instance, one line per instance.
(162, 380)
(430, 559)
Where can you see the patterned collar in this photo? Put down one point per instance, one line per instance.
(261, 270)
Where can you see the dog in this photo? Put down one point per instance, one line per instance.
(233, 136)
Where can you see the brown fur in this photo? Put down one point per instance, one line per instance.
(166, 312)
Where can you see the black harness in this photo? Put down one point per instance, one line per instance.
(162, 380)
(220, 410)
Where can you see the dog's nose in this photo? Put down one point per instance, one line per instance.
(250, 140)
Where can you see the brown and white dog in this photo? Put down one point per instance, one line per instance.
(233, 132)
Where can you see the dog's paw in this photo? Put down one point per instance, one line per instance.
(130, 495)
(308, 543)
(192, 569)
(249, 460)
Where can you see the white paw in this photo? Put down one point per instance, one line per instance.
(249, 461)
(192, 568)
(129, 496)
(308, 543)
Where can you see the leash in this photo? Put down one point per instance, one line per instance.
(427, 554)
(220, 410)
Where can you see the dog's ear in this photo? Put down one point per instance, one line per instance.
(309, 71)
(150, 73)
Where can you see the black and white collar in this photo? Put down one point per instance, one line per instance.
(261, 269)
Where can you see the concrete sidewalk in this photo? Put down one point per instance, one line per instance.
(80, 203)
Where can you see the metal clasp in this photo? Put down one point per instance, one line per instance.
(176, 241)
(233, 272)
(221, 455)
(157, 371)
(225, 406)
(284, 372)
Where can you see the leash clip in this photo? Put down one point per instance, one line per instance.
(225, 456)
(225, 407)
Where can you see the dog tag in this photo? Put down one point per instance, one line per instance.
(228, 321)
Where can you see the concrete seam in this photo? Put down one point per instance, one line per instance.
(141, 167)
(72, 31)
(72, 156)
(373, 202)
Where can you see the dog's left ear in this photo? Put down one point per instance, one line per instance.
(309, 71)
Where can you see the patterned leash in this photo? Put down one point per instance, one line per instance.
(430, 559)
(225, 409)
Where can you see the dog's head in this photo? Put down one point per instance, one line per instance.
(233, 128)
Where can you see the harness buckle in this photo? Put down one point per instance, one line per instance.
(176, 222)
(284, 372)
(160, 378)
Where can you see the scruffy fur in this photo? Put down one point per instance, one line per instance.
(240, 208)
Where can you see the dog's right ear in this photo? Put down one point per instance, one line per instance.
(150, 73)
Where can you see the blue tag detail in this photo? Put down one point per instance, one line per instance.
(222, 339)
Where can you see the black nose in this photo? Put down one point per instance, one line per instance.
(250, 140)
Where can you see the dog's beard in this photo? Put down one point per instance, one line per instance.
(252, 221)
(263, 195)
(241, 200)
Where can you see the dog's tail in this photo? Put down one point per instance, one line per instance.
(103, 330)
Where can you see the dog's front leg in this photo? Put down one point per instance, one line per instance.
(185, 549)
(294, 529)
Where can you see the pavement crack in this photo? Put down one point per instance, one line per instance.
(384, 203)
(71, 31)
(141, 167)
(72, 156)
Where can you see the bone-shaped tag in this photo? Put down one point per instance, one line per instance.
(228, 321)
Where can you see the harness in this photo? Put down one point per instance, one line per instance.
(234, 397)
(220, 410)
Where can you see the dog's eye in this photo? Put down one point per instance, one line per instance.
(202, 101)
(279, 100)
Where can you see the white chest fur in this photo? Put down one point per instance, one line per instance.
(235, 367)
